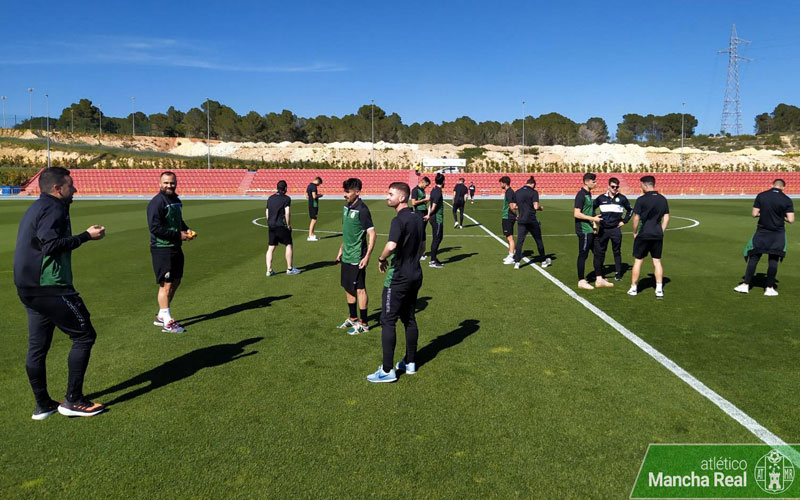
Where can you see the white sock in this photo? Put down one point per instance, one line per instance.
(164, 314)
(658, 287)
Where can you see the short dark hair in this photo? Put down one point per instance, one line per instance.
(614, 180)
(52, 177)
(318, 179)
(779, 182)
(167, 172)
(282, 187)
(505, 180)
(460, 179)
(588, 176)
(439, 179)
(402, 187)
(352, 183)
(531, 180)
(426, 180)
(649, 180)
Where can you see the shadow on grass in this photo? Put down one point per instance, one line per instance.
(650, 282)
(447, 249)
(456, 258)
(178, 369)
(446, 341)
(245, 306)
(337, 235)
(609, 269)
(318, 265)
(760, 281)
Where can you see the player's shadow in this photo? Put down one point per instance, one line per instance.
(337, 235)
(610, 270)
(650, 282)
(535, 258)
(446, 341)
(422, 303)
(760, 281)
(447, 249)
(318, 265)
(178, 369)
(227, 311)
(461, 256)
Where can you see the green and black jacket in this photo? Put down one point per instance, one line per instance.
(165, 220)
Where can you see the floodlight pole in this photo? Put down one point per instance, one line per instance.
(208, 131)
(133, 116)
(47, 112)
(523, 137)
(71, 121)
(372, 126)
(30, 116)
(4, 111)
(683, 107)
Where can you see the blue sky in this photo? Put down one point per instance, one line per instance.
(424, 60)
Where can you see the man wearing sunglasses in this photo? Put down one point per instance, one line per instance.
(612, 204)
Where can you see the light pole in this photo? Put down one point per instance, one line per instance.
(683, 106)
(71, 121)
(372, 126)
(4, 111)
(208, 131)
(523, 137)
(30, 116)
(100, 109)
(47, 115)
(133, 116)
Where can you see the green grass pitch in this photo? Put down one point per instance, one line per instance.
(522, 392)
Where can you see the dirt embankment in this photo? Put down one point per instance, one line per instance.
(597, 157)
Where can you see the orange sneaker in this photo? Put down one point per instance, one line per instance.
(81, 408)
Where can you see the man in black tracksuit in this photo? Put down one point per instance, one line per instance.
(459, 200)
(436, 218)
(527, 204)
(611, 204)
(43, 276)
(402, 284)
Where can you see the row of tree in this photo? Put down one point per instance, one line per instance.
(784, 118)
(223, 123)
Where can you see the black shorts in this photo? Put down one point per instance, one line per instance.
(312, 212)
(279, 236)
(167, 264)
(643, 247)
(508, 227)
(353, 278)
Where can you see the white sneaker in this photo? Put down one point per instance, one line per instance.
(742, 288)
(312, 238)
(547, 262)
(460, 226)
(659, 293)
(508, 260)
(516, 265)
(632, 291)
(423, 257)
(583, 284)
(455, 225)
(770, 292)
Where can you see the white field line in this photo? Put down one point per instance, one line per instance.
(729, 408)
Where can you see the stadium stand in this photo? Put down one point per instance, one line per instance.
(238, 182)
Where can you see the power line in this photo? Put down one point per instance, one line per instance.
(732, 106)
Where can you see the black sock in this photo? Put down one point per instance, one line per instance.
(353, 309)
(363, 316)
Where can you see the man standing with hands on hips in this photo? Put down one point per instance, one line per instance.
(652, 210)
(43, 277)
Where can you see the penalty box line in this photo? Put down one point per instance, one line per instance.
(726, 406)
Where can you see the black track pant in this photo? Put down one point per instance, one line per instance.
(585, 245)
(772, 269)
(535, 230)
(69, 314)
(437, 229)
(399, 302)
(458, 207)
(601, 245)
(422, 243)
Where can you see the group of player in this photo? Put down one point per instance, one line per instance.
(43, 270)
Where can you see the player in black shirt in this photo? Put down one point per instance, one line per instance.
(652, 211)
(279, 221)
(459, 200)
(612, 204)
(527, 204)
(436, 218)
(773, 208)
(471, 192)
(509, 216)
(403, 281)
(313, 195)
(419, 204)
